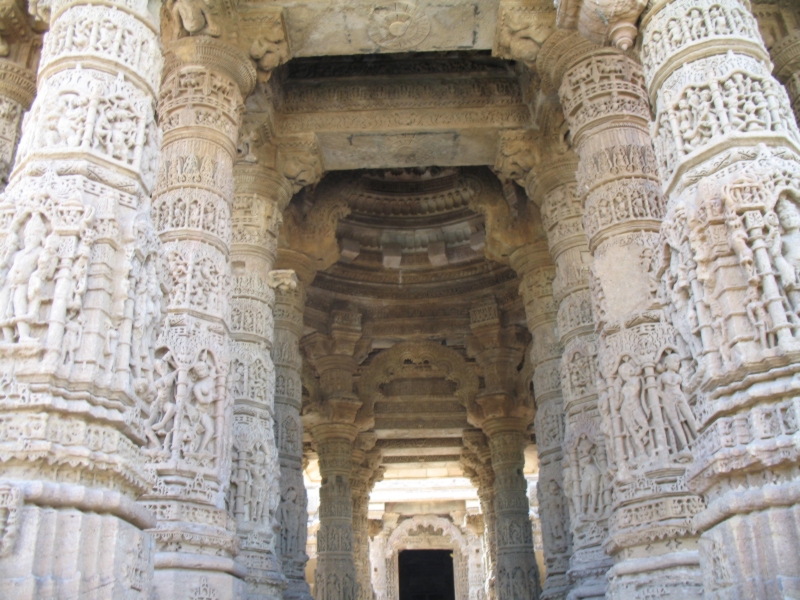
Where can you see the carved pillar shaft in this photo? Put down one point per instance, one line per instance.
(254, 494)
(536, 272)
(728, 152)
(335, 577)
(639, 355)
(17, 88)
(75, 231)
(477, 466)
(191, 422)
(288, 362)
(517, 572)
(363, 477)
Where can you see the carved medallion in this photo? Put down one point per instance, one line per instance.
(398, 25)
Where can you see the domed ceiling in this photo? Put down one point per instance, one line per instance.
(413, 264)
(412, 253)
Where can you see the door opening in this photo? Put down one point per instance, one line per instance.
(426, 575)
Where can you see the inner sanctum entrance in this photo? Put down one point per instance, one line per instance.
(426, 575)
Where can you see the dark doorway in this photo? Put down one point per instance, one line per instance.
(426, 575)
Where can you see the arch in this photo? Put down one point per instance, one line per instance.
(430, 532)
(439, 525)
(385, 369)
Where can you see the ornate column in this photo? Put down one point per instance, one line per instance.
(476, 462)
(20, 48)
(642, 362)
(292, 511)
(728, 152)
(577, 421)
(779, 25)
(536, 272)
(76, 235)
(190, 424)
(305, 245)
(365, 473)
(504, 416)
(334, 426)
(254, 496)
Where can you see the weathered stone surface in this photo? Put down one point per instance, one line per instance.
(288, 288)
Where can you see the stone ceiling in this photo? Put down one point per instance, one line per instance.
(413, 265)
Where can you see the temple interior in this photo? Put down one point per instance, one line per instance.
(414, 300)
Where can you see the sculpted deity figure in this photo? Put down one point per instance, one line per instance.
(260, 484)
(555, 526)
(738, 240)
(160, 421)
(110, 347)
(73, 336)
(759, 318)
(789, 218)
(677, 411)
(30, 267)
(195, 16)
(628, 407)
(289, 520)
(203, 393)
(590, 478)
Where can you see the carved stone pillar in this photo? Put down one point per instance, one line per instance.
(20, 48)
(292, 512)
(640, 357)
(334, 427)
(535, 270)
(476, 462)
(76, 235)
(254, 495)
(365, 473)
(553, 184)
(504, 417)
(779, 25)
(728, 152)
(335, 577)
(190, 424)
(306, 244)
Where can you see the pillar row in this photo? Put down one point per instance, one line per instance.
(642, 365)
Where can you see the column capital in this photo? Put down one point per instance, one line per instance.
(212, 54)
(503, 413)
(256, 179)
(327, 431)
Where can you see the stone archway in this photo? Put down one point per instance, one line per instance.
(428, 532)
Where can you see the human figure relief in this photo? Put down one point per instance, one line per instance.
(203, 393)
(554, 523)
(195, 16)
(590, 478)
(759, 318)
(288, 515)
(738, 238)
(161, 420)
(789, 220)
(628, 408)
(259, 486)
(73, 336)
(110, 347)
(677, 412)
(31, 266)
